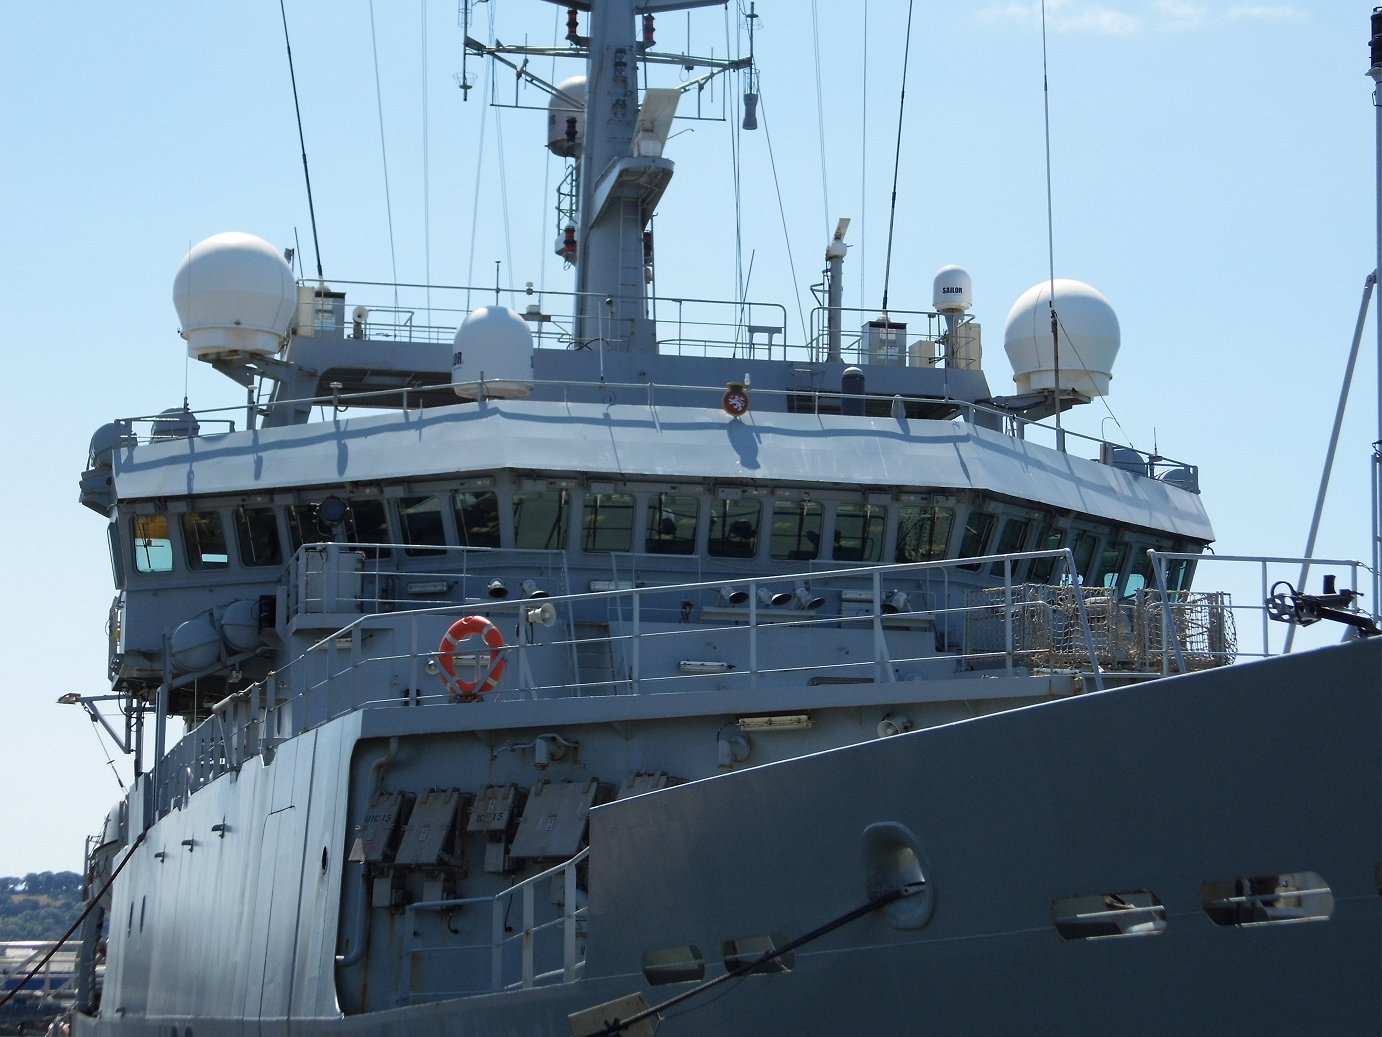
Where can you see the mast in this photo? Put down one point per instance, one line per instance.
(623, 175)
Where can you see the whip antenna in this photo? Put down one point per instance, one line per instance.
(897, 158)
(302, 142)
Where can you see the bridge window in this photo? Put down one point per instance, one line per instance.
(153, 546)
(1010, 540)
(367, 524)
(477, 518)
(1050, 537)
(607, 522)
(977, 532)
(204, 537)
(420, 522)
(734, 527)
(540, 519)
(796, 530)
(363, 522)
(1083, 550)
(671, 524)
(304, 527)
(1141, 574)
(1179, 573)
(923, 534)
(859, 532)
(256, 534)
(1111, 564)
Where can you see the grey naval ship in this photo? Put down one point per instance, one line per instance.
(595, 663)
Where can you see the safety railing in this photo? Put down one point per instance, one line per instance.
(540, 945)
(930, 621)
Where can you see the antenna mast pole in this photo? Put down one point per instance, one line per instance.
(1376, 73)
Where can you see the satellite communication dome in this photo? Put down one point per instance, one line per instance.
(953, 291)
(559, 110)
(234, 293)
(494, 346)
(1089, 338)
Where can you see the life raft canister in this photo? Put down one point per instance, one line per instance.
(462, 630)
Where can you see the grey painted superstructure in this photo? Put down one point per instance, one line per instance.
(519, 681)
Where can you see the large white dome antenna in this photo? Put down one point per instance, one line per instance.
(1089, 339)
(235, 295)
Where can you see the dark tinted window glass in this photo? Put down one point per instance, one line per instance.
(477, 518)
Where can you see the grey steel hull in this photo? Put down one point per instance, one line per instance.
(1264, 768)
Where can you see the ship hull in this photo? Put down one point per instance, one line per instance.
(1172, 789)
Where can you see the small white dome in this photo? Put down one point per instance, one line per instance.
(1089, 338)
(953, 290)
(493, 345)
(559, 110)
(234, 293)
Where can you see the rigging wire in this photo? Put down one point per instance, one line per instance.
(383, 152)
(782, 212)
(1059, 331)
(1050, 231)
(735, 143)
(897, 156)
(820, 114)
(479, 167)
(864, 160)
(544, 244)
(503, 195)
(110, 760)
(302, 141)
(426, 172)
(744, 968)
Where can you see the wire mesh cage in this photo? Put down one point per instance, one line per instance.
(1041, 625)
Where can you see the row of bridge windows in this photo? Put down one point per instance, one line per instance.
(673, 523)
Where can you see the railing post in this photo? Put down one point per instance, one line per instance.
(753, 635)
(527, 935)
(496, 937)
(634, 658)
(568, 950)
(1008, 612)
(1083, 613)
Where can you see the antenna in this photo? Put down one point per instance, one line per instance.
(302, 141)
(1050, 235)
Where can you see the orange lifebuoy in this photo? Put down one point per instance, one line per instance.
(462, 630)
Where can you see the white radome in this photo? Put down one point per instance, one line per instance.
(559, 110)
(234, 293)
(493, 346)
(953, 290)
(1089, 338)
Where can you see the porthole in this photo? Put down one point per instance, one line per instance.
(1100, 916)
(1297, 896)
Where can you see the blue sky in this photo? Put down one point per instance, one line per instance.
(1212, 175)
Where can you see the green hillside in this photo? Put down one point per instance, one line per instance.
(40, 905)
